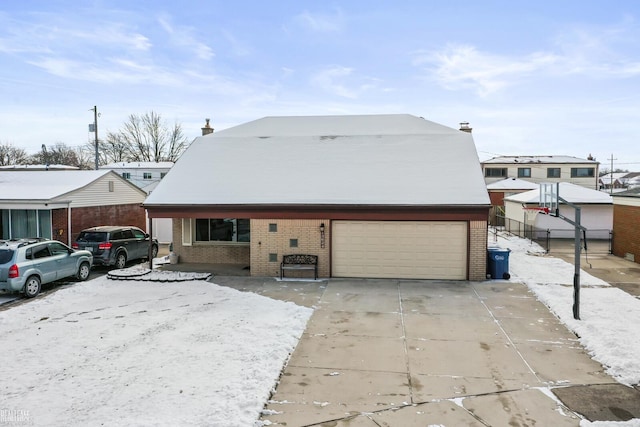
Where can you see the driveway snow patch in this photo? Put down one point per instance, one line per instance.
(111, 352)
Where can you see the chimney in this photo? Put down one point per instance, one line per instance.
(207, 129)
(464, 127)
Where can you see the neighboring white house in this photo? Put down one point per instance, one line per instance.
(59, 204)
(596, 211)
(146, 175)
(539, 169)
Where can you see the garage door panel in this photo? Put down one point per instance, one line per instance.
(400, 249)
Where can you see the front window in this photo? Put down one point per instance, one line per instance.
(582, 172)
(126, 175)
(553, 172)
(495, 172)
(25, 223)
(222, 230)
(524, 172)
(146, 175)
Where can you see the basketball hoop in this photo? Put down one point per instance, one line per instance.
(531, 213)
(537, 209)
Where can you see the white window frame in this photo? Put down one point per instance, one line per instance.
(187, 232)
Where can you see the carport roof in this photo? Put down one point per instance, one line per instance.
(395, 159)
(44, 185)
(512, 184)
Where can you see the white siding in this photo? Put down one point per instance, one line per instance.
(97, 193)
(598, 219)
(539, 173)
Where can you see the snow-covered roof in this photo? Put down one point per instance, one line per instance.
(512, 184)
(633, 192)
(536, 159)
(44, 185)
(570, 192)
(615, 176)
(38, 167)
(138, 165)
(346, 160)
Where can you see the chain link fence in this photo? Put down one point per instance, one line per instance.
(556, 240)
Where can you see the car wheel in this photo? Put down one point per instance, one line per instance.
(83, 271)
(154, 251)
(121, 260)
(32, 287)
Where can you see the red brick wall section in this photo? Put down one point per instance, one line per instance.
(81, 218)
(626, 231)
(497, 198)
(59, 225)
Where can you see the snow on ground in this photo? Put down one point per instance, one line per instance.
(182, 351)
(136, 352)
(609, 328)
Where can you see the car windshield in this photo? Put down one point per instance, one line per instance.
(92, 236)
(5, 255)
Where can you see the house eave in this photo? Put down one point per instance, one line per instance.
(327, 211)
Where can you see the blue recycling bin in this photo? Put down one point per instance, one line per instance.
(498, 263)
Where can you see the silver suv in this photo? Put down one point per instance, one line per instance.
(27, 264)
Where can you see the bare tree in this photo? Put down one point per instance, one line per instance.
(61, 154)
(145, 138)
(10, 155)
(86, 160)
(112, 150)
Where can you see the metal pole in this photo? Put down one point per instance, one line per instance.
(150, 248)
(95, 128)
(576, 275)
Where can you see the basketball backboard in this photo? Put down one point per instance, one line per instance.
(549, 197)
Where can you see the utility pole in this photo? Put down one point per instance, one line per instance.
(611, 176)
(95, 130)
(45, 157)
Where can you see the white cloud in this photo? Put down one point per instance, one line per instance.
(324, 23)
(330, 80)
(595, 53)
(464, 67)
(182, 36)
(238, 47)
(120, 71)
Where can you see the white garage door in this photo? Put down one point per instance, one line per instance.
(399, 249)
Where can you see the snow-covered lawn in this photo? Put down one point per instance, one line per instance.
(609, 328)
(125, 352)
(189, 352)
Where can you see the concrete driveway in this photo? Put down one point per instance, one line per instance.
(419, 353)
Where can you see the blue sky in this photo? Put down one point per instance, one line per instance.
(531, 78)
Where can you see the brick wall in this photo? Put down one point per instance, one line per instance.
(626, 231)
(497, 198)
(59, 229)
(266, 244)
(477, 250)
(131, 214)
(81, 218)
(209, 252)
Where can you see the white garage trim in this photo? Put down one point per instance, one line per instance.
(400, 249)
